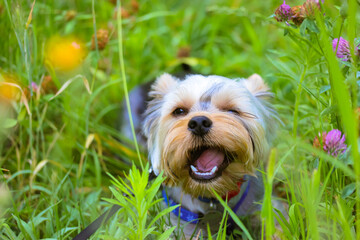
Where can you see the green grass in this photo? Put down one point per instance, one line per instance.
(56, 150)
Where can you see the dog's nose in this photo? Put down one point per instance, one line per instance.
(200, 125)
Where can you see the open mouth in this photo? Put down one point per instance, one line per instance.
(207, 163)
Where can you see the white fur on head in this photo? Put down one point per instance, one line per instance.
(257, 86)
(163, 84)
(243, 133)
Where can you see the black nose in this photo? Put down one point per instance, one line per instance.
(200, 125)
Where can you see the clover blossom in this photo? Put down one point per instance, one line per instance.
(34, 86)
(310, 7)
(342, 49)
(333, 142)
(283, 13)
(297, 14)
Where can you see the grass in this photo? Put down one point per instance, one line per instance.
(58, 144)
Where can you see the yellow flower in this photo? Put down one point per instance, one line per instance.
(9, 87)
(65, 53)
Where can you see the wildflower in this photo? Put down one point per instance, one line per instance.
(343, 49)
(297, 16)
(102, 36)
(34, 88)
(310, 7)
(48, 85)
(333, 142)
(9, 87)
(65, 53)
(283, 13)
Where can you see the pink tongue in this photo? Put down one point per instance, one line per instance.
(209, 159)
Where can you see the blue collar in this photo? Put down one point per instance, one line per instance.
(185, 214)
(192, 217)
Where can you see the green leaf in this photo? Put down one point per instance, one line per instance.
(167, 233)
(324, 89)
(162, 213)
(9, 123)
(303, 27)
(312, 26)
(25, 228)
(209, 231)
(292, 216)
(348, 190)
(233, 215)
(285, 226)
(9, 232)
(148, 231)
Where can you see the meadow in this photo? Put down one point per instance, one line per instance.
(66, 68)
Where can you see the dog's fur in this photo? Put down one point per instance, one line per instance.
(242, 125)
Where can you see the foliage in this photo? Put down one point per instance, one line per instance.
(59, 119)
(137, 199)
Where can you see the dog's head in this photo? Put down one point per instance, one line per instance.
(207, 132)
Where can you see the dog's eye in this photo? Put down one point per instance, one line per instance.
(236, 112)
(180, 112)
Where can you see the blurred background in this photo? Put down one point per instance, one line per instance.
(61, 91)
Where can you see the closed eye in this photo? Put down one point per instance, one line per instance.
(234, 111)
(242, 114)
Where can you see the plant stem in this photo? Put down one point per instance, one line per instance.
(123, 77)
(297, 101)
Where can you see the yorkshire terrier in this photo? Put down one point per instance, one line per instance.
(209, 134)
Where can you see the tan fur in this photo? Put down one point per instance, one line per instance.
(226, 134)
(242, 125)
(164, 83)
(256, 84)
(170, 141)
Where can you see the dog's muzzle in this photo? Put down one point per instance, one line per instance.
(200, 125)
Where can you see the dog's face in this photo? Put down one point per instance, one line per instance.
(207, 132)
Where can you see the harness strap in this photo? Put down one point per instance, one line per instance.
(95, 225)
(192, 217)
(242, 199)
(229, 195)
(185, 214)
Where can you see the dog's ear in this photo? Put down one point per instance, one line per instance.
(256, 85)
(163, 85)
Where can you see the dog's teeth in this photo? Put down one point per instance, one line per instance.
(213, 170)
(194, 169)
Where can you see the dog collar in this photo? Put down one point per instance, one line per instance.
(192, 217)
(229, 195)
(185, 214)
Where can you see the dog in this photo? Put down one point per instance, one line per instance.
(208, 134)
